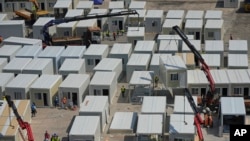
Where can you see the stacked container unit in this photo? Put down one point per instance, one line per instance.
(110, 65)
(133, 20)
(73, 52)
(43, 93)
(194, 15)
(115, 5)
(3, 63)
(153, 21)
(87, 6)
(137, 62)
(29, 51)
(175, 14)
(182, 106)
(94, 54)
(213, 15)
(83, 25)
(5, 79)
(117, 22)
(188, 59)
(214, 30)
(53, 52)
(9, 51)
(68, 29)
(145, 46)
(222, 82)
(215, 47)
(194, 27)
(18, 88)
(96, 106)
(167, 27)
(137, 5)
(103, 83)
(135, 34)
(38, 26)
(22, 41)
(39, 66)
(212, 60)
(75, 66)
(17, 65)
(237, 61)
(169, 47)
(61, 7)
(75, 88)
(238, 47)
(122, 51)
(101, 22)
(197, 46)
(155, 63)
(12, 28)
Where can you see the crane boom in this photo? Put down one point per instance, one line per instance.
(22, 124)
(47, 37)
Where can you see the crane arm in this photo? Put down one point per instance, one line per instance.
(47, 37)
(22, 124)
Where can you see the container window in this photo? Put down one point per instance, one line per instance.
(195, 91)
(90, 62)
(22, 5)
(66, 33)
(237, 91)
(17, 95)
(38, 96)
(210, 34)
(174, 77)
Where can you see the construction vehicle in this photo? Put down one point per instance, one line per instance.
(23, 125)
(246, 5)
(31, 15)
(93, 34)
(208, 101)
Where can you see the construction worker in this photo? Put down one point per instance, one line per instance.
(123, 91)
(64, 102)
(156, 81)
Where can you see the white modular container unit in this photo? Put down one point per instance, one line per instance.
(18, 88)
(75, 88)
(16, 65)
(213, 15)
(115, 5)
(117, 22)
(222, 82)
(167, 27)
(188, 58)
(237, 61)
(74, 12)
(49, 5)
(154, 20)
(101, 22)
(5, 79)
(231, 3)
(22, 41)
(12, 28)
(125, 2)
(195, 43)
(194, 27)
(239, 82)
(103, 83)
(43, 93)
(85, 128)
(137, 5)
(194, 15)
(9, 51)
(54, 53)
(238, 46)
(173, 71)
(215, 47)
(110, 65)
(61, 7)
(137, 62)
(214, 30)
(73, 52)
(169, 46)
(94, 54)
(122, 51)
(149, 126)
(182, 106)
(212, 60)
(3, 63)
(145, 46)
(182, 130)
(3, 17)
(39, 66)
(175, 14)
(38, 26)
(75, 66)
(155, 63)
(96, 106)
(83, 25)
(133, 20)
(29, 51)
(87, 6)
(135, 34)
(123, 122)
(142, 85)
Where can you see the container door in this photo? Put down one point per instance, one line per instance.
(197, 35)
(45, 99)
(105, 92)
(120, 25)
(1, 7)
(74, 98)
(224, 91)
(246, 91)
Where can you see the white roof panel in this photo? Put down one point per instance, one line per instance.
(168, 46)
(144, 45)
(238, 45)
(116, 5)
(141, 78)
(121, 48)
(67, 25)
(23, 41)
(119, 10)
(41, 21)
(196, 77)
(172, 37)
(29, 51)
(63, 4)
(137, 5)
(22, 81)
(214, 24)
(98, 11)
(38, 64)
(214, 46)
(220, 76)
(181, 105)
(124, 121)
(74, 12)
(175, 14)
(196, 43)
(173, 62)
(213, 14)
(149, 124)
(169, 23)
(232, 106)
(51, 51)
(8, 50)
(103, 78)
(136, 32)
(12, 22)
(194, 24)
(17, 64)
(142, 13)
(139, 59)
(74, 51)
(46, 81)
(72, 64)
(194, 14)
(75, 80)
(87, 23)
(5, 78)
(96, 49)
(85, 125)
(237, 60)
(238, 76)
(178, 126)
(85, 5)
(93, 104)
(154, 14)
(212, 60)
(154, 104)
(108, 64)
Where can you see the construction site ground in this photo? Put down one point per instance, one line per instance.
(58, 121)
